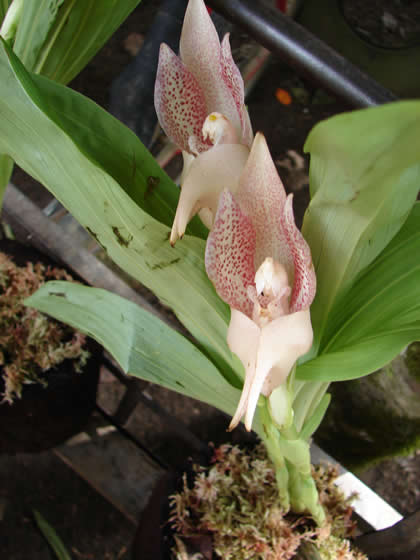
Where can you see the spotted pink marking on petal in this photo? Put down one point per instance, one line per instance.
(200, 51)
(199, 46)
(233, 79)
(247, 134)
(230, 254)
(261, 196)
(179, 101)
(304, 286)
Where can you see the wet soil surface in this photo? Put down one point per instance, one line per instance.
(90, 526)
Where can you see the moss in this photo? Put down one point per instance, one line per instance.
(31, 343)
(235, 503)
(362, 410)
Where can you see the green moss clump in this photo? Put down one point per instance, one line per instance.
(31, 343)
(234, 505)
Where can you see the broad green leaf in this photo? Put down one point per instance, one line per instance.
(51, 33)
(379, 316)
(79, 31)
(35, 23)
(109, 144)
(51, 536)
(132, 238)
(359, 359)
(141, 343)
(364, 179)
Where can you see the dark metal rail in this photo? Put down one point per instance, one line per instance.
(307, 54)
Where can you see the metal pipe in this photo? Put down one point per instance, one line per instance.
(307, 54)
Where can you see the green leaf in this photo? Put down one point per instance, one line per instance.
(34, 25)
(4, 6)
(79, 31)
(364, 179)
(141, 343)
(108, 144)
(33, 132)
(312, 424)
(378, 317)
(51, 536)
(6, 168)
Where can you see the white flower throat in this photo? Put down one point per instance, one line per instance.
(270, 295)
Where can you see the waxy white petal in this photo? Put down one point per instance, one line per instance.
(243, 339)
(209, 174)
(282, 342)
(268, 355)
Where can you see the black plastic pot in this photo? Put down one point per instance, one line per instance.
(46, 417)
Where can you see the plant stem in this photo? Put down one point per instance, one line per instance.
(292, 462)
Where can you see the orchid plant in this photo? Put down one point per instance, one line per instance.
(267, 337)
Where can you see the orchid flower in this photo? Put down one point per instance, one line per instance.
(199, 100)
(261, 266)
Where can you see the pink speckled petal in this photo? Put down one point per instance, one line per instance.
(179, 101)
(212, 171)
(261, 196)
(247, 134)
(200, 51)
(235, 83)
(304, 285)
(230, 254)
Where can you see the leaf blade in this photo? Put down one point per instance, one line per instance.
(79, 31)
(34, 26)
(51, 536)
(132, 238)
(372, 156)
(141, 343)
(379, 316)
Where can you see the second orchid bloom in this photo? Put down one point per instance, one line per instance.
(199, 100)
(256, 257)
(261, 266)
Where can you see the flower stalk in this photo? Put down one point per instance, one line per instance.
(291, 458)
